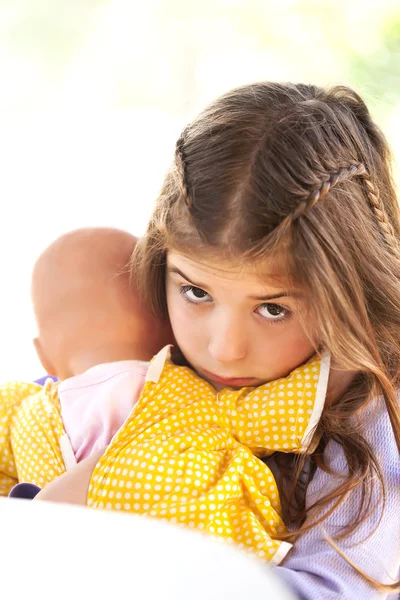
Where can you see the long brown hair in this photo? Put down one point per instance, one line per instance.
(304, 171)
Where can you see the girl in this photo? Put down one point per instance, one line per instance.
(275, 237)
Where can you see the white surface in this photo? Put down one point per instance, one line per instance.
(61, 171)
(59, 552)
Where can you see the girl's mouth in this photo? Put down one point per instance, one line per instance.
(229, 381)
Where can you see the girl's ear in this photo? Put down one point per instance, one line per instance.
(46, 364)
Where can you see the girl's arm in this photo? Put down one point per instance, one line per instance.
(313, 569)
(72, 487)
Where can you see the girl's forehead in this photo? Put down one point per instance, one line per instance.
(272, 272)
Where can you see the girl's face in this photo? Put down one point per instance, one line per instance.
(234, 327)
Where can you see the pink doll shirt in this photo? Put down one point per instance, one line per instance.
(96, 404)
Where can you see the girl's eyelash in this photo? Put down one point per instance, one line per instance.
(183, 289)
(287, 314)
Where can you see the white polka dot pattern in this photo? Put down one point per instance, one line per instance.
(30, 430)
(185, 455)
(12, 395)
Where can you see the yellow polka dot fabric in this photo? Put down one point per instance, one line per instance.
(12, 395)
(30, 433)
(189, 455)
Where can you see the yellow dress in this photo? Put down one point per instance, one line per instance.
(186, 453)
(31, 431)
(190, 455)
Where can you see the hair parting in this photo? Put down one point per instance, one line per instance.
(180, 161)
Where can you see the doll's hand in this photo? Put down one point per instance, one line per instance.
(72, 486)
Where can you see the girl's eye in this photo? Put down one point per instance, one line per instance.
(194, 294)
(273, 312)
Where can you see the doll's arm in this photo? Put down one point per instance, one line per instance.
(72, 486)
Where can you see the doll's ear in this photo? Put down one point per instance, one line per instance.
(46, 364)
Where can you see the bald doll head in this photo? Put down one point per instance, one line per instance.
(86, 310)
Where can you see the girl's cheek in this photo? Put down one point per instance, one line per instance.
(179, 313)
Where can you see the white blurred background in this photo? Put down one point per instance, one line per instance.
(93, 94)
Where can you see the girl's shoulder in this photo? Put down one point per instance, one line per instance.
(313, 569)
(375, 426)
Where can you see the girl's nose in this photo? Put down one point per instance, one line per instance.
(228, 339)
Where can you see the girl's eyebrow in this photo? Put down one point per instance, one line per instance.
(274, 296)
(174, 270)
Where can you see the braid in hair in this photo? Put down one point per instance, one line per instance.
(378, 209)
(355, 170)
(181, 164)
